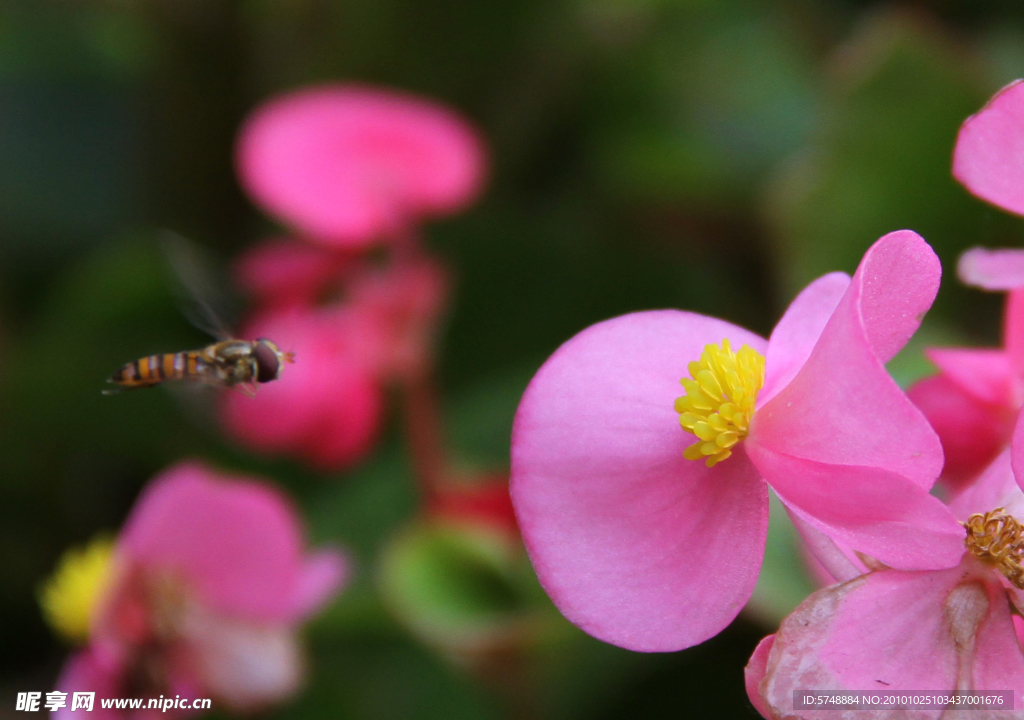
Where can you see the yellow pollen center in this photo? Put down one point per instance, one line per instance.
(70, 596)
(997, 538)
(719, 401)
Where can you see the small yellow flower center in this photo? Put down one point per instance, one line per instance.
(997, 538)
(719, 401)
(71, 594)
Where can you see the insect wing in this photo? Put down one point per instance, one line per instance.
(195, 282)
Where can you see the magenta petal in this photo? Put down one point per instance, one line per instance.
(236, 543)
(635, 544)
(843, 407)
(972, 432)
(83, 672)
(797, 332)
(754, 672)
(873, 511)
(983, 374)
(992, 269)
(894, 632)
(989, 155)
(324, 574)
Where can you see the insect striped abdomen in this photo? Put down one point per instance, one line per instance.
(154, 369)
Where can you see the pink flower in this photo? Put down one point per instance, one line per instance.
(647, 549)
(347, 165)
(328, 408)
(974, 399)
(894, 631)
(211, 582)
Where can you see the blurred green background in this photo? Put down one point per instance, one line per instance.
(712, 155)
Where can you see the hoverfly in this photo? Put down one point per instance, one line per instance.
(229, 362)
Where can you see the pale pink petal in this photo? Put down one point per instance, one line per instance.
(323, 576)
(244, 664)
(868, 509)
(896, 283)
(84, 672)
(635, 544)
(972, 432)
(992, 269)
(1017, 451)
(983, 374)
(893, 632)
(993, 488)
(753, 673)
(835, 562)
(348, 165)
(843, 407)
(989, 155)
(235, 543)
(1013, 339)
(797, 332)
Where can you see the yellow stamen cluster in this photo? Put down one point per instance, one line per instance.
(71, 594)
(998, 539)
(719, 400)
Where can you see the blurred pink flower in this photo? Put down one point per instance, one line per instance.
(285, 273)
(974, 399)
(646, 549)
(894, 631)
(211, 582)
(329, 406)
(348, 165)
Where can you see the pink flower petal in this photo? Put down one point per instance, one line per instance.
(835, 563)
(754, 672)
(896, 282)
(871, 510)
(992, 269)
(993, 488)
(348, 165)
(798, 331)
(972, 432)
(894, 632)
(635, 544)
(236, 543)
(989, 155)
(324, 574)
(983, 374)
(843, 407)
